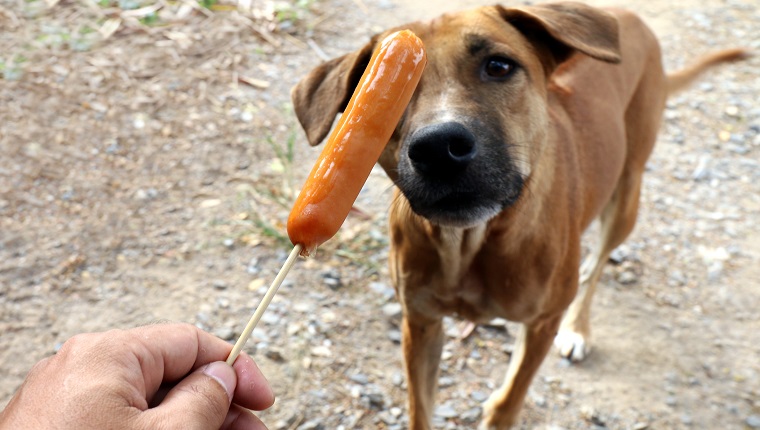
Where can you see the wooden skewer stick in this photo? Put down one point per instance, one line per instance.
(264, 303)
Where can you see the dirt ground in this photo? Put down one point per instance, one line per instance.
(149, 155)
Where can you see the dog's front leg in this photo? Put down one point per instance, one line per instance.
(501, 410)
(422, 342)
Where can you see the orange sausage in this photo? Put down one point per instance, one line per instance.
(354, 146)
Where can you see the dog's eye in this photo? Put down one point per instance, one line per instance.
(497, 68)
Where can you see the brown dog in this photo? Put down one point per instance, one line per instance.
(528, 124)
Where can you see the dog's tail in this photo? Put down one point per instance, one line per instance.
(681, 79)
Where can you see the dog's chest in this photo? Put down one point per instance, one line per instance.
(478, 285)
(463, 285)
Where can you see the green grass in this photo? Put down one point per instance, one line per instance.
(150, 19)
(283, 150)
(208, 4)
(292, 11)
(269, 231)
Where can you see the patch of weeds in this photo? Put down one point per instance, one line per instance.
(255, 221)
(34, 8)
(129, 4)
(149, 19)
(270, 231)
(361, 243)
(87, 30)
(359, 259)
(84, 39)
(52, 39)
(284, 152)
(208, 4)
(269, 198)
(288, 13)
(13, 69)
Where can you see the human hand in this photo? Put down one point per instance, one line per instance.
(153, 377)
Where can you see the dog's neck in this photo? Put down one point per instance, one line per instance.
(457, 247)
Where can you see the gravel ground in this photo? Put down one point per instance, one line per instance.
(147, 172)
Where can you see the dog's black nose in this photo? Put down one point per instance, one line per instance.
(442, 149)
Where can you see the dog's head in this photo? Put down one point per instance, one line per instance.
(477, 123)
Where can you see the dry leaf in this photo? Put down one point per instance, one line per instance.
(256, 83)
(109, 27)
(142, 12)
(256, 284)
(210, 203)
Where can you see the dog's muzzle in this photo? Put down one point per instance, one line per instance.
(457, 174)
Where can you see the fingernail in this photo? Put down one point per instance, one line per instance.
(224, 374)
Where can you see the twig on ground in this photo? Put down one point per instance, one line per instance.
(320, 53)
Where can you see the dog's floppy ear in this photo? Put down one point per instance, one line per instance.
(326, 90)
(568, 26)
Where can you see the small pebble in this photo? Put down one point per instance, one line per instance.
(394, 336)
(387, 418)
(445, 411)
(271, 318)
(539, 401)
(397, 379)
(445, 381)
(225, 333)
(223, 302)
(332, 280)
(310, 425)
(359, 378)
(382, 289)
(702, 171)
(373, 400)
(478, 396)
(471, 415)
(627, 277)
(392, 310)
(591, 415)
(274, 355)
(287, 422)
(753, 421)
(253, 266)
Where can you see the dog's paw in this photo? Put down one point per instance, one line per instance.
(496, 415)
(484, 426)
(572, 345)
(493, 426)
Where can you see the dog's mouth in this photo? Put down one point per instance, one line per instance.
(451, 176)
(458, 208)
(457, 201)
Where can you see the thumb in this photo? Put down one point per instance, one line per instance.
(200, 401)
